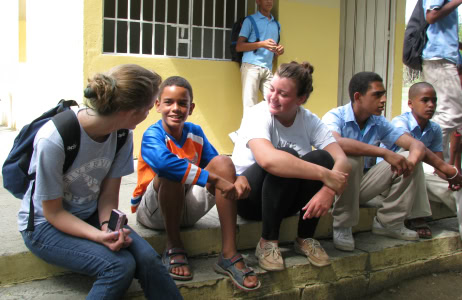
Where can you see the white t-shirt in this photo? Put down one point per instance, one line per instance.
(306, 132)
(80, 186)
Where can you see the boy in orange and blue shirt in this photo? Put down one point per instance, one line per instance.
(180, 178)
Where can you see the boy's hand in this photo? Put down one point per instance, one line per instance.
(279, 50)
(269, 44)
(399, 164)
(228, 190)
(242, 187)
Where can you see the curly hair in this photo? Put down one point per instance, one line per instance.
(124, 87)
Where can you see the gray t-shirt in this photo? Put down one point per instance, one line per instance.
(80, 186)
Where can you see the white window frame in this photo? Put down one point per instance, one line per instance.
(180, 29)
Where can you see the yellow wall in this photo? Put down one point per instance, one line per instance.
(216, 84)
(22, 31)
(309, 31)
(398, 62)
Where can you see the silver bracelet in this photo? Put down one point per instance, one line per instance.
(457, 173)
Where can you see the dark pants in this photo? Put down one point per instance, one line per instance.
(273, 198)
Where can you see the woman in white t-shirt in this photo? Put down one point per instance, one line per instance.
(274, 152)
(72, 209)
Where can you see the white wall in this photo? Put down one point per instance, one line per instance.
(8, 57)
(54, 66)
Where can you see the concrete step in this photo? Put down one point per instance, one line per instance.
(20, 265)
(377, 263)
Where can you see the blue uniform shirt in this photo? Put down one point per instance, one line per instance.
(443, 36)
(377, 128)
(268, 29)
(431, 136)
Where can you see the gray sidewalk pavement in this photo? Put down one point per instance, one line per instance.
(7, 137)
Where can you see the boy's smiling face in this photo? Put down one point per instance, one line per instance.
(174, 104)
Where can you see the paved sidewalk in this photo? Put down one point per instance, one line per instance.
(7, 137)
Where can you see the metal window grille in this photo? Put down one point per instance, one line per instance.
(198, 29)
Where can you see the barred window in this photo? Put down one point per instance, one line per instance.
(199, 29)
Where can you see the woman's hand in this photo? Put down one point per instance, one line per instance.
(336, 180)
(116, 240)
(319, 205)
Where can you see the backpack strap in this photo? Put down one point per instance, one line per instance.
(122, 135)
(279, 30)
(30, 220)
(69, 128)
(255, 28)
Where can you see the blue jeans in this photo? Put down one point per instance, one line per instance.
(114, 271)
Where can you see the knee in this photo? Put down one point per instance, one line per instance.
(289, 150)
(165, 183)
(320, 157)
(122, 268)
(149, 260)
(221, 165)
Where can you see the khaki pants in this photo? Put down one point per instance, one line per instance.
(397, 204)
(437, 190)
(444, 77)
(254, 78)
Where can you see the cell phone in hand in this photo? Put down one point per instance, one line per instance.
(117, 220)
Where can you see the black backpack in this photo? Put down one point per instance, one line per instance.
(236, 29)
(15, 171)
(415, 37)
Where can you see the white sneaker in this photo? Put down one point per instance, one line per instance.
(343, 239)
(401, 234)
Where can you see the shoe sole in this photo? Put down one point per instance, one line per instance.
(269, 268)
(313, 262)
(222, 271)
(386, 233)
(344, 248)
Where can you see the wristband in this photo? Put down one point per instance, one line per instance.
(457, 173)
(104, 222)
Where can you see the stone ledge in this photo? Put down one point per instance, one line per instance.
(20, 265)
(379, 262)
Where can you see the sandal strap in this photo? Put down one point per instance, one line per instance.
(248, 272)
(229, 264)
(178, 262)
(175, 251)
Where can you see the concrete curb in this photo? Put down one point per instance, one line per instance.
(378, 263)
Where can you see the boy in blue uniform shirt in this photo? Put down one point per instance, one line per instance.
(358, 128)
(257, 61)
(417, 123)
